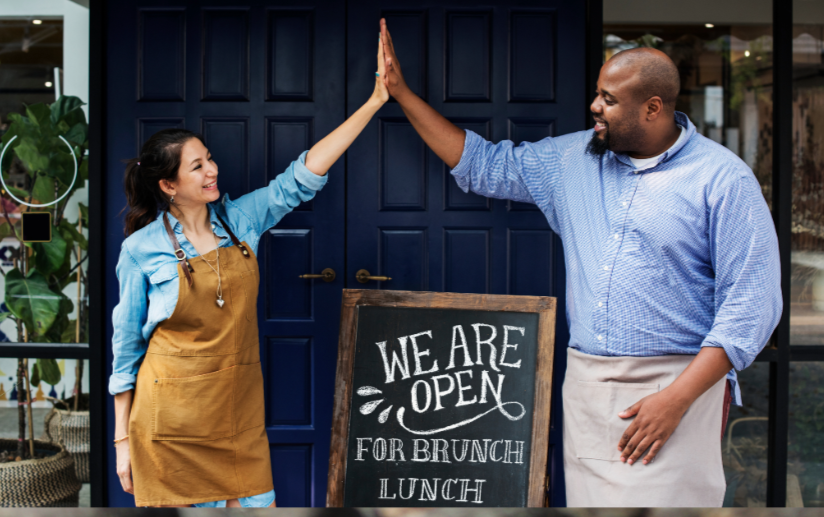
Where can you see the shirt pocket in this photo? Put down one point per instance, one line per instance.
(164, 292)
(596, 422)
(194, 409)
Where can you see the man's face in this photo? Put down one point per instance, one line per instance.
(617, 113)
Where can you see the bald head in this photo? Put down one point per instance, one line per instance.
(654, 74)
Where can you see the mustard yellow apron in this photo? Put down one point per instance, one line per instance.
(196, 429)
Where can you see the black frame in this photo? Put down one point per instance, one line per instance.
(778, 352)
(93, 351)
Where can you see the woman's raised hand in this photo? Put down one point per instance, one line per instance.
(380, 93)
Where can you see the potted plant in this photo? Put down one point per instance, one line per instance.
(44, 150)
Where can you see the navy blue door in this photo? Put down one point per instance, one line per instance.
(261, 81)
(509, 69)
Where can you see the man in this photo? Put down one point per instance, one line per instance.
(672, 276)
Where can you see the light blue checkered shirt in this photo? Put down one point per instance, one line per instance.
(662, 261)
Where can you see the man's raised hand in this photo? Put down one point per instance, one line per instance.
(393, 78)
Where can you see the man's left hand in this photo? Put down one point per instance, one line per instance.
(656, 417)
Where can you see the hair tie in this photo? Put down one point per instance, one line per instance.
(138, 163)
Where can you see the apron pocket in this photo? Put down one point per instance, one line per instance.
(194, 409)
(251, 284)
(596, 422)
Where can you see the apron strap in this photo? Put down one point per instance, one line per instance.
(233, 237)
(179, 253)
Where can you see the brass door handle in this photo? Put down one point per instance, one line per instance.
(328, 275)
(363, 277)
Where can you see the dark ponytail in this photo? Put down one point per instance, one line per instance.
(159, 160)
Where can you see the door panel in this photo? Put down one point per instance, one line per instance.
(497, 71)
(262, 81)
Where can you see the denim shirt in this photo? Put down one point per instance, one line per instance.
(664, 260)
(147, 268)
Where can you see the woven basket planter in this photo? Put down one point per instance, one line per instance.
(49, 481)
(71, 428)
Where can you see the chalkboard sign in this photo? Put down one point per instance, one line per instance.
(442, 399)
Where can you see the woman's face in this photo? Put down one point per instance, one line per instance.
(196, 182)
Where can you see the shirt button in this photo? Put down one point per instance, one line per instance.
(600, 337)
(616, 236)
(624, 203)
(606, 268)
(600, 304)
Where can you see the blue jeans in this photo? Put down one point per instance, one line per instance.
(253, 501)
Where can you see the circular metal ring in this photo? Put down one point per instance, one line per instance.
(34, 205)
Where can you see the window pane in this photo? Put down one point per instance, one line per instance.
(807, 292)
(38, 169)
(744, 447)
(805, 460)
(725, 61)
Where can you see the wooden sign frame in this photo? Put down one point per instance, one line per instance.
(545, 307)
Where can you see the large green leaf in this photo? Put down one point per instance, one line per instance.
(35, 375)
(31, 300)
(76, 237)
(43, 190)
(64, 105)
(29, 153)
(49, 256)
(84, 213)
(49, 371)
(39, 114)
(77, 134)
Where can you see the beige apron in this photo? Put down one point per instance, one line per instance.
(686, 472)
(196, 428)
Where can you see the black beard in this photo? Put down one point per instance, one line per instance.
(597, 147)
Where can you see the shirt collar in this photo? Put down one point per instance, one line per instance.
(220, 231)
(681, 119)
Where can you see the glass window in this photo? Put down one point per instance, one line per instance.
(807, 291)
(744, 446)
(805, 467)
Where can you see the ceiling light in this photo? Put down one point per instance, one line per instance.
(746, 53)
(48, 84)
(37, 22)
(709, 25)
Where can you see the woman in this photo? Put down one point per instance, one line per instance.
(187, 381)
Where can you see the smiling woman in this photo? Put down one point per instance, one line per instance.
(184, 360)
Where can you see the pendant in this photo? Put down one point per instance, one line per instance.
(220, 302)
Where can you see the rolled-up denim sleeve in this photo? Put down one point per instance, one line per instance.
(128, 319)
(500, 170)
(266, 206)
(744, 252)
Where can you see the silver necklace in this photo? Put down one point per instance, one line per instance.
(219, 292)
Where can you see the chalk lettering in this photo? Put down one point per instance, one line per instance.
(415, 403)
(465, 490)
(457, 329)
(379, 449)
(463, 452)
(492, 451)
(446, 489)
(416, 354)
(478, 341)
(481, 454)
(440, 449)
(361, 449)
(412, 483)
(396, 446)
(439, 392)
(429, 492)
(403, 366)
(420, 445)
(518, 451)
(486, 381)
(461, 389)
(384, 489)
(513, 346)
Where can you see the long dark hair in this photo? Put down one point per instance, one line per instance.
(159, 160)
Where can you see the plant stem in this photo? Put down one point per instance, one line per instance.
(21, 410)
(31, 417)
